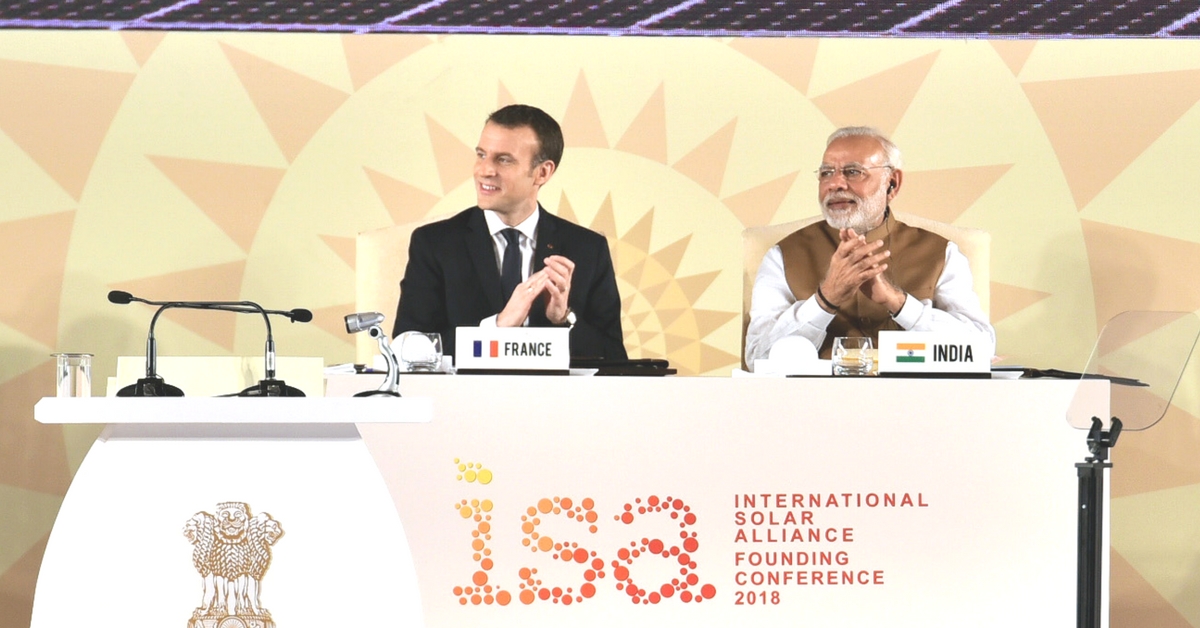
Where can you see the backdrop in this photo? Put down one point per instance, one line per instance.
(241, 165)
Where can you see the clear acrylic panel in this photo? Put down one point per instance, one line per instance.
(1143, 355)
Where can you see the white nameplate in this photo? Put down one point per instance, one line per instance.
(521, 348)
(902, 352)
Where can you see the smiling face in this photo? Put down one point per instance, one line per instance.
(860, 204)
(506, 179)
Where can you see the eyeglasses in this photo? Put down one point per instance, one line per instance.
(853, 173)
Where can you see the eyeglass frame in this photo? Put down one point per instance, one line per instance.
(842, 170)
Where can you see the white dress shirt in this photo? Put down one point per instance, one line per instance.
(775, 313)
(528, 242)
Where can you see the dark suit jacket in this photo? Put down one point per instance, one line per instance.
(452, 281)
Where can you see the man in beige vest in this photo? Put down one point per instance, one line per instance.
(860, 271)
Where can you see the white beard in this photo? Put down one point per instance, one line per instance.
(866, 215)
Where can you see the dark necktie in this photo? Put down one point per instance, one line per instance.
(510, 268)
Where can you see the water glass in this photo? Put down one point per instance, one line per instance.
(418, 351)
(73, 374)
(853, 356)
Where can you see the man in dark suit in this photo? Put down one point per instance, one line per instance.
(508, 262)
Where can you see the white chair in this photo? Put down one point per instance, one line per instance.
(380, 258)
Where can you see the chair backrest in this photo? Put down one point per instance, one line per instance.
(379, 261)
(975, 244)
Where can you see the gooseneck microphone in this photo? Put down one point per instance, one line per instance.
(370, 322)
(268, 386)
(298, 315)
(153, 386)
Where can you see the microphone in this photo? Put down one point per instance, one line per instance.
(370, 322)
(268, 387)
(152, 385)
(298, 315)
(362, 322)
(120, 297)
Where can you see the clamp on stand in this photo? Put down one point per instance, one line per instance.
(1091, 521)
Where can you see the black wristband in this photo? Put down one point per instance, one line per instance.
(823, 299)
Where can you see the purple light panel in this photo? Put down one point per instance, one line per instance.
(927, 18)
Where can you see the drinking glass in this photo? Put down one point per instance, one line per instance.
(73, 374)
(418, 351)
(853, 356)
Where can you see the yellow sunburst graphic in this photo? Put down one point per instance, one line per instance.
(658, 307)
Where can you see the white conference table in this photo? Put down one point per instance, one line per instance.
(551, 501)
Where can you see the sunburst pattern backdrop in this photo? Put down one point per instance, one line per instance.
(241, 166)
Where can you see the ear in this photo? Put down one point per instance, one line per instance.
(894, 182)
(543, 171)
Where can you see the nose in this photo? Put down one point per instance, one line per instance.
(483, 167)
(836, 182)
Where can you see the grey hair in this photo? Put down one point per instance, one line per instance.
(889, 148)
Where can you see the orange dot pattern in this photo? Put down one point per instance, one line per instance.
(472, 472)
(480, 591)
(687, 586)
(532, 588)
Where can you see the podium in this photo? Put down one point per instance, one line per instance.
(228, 513)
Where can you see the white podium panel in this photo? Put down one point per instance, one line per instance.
(228, 513)
(702, 502)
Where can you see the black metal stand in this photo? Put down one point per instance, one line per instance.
(377, 393)
(150, 386)
(271, 387)
(1091, 522)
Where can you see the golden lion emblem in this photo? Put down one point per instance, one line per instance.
(232, 551)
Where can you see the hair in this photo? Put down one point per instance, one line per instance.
(889, 148)
(549, 134)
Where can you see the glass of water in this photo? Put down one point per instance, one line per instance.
(73, 374)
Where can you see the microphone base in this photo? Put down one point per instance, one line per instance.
(271, 388)
(376, 393)
(150, 387)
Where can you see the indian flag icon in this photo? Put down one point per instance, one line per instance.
(910, 352)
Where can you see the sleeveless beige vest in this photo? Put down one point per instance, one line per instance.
(915, 266)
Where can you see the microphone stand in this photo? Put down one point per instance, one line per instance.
(268, 386)
(152, 385)
(1090, 553)
(391, 382)
(370, 322)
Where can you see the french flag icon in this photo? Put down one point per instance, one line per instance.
(493, 349)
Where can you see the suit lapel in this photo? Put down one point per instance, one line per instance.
(483, 258)
(547, 244)
(547, 239)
